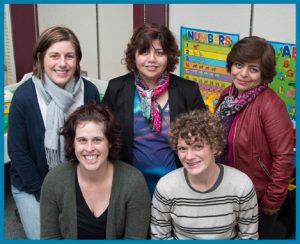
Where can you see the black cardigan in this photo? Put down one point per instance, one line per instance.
(25, 141)
(184, 95)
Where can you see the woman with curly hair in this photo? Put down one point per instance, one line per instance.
(147, 98)
(202, 200)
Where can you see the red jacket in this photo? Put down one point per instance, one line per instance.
(263, 147)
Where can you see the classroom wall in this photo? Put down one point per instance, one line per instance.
(102, 45)
(81, 19)
(115, 30)
(275, 22)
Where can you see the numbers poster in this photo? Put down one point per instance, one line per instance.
(203, 60)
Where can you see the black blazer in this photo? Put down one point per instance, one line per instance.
(184, 95)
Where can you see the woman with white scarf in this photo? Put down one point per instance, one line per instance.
(38, 110)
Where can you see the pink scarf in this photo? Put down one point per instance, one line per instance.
(150, 107)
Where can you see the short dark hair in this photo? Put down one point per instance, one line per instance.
(254, 48)
(201, 125)
(96, 113)
(50, 36)
(142, 40)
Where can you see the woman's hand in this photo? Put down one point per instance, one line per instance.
(269, 211)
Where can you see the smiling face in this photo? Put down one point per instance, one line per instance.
(246, 76)
(60, 62)
(91, 146)
(152, 63)
(196, 157)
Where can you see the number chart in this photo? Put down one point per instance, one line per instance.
(203, 60)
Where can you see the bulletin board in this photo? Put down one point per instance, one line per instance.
(284, 83)
(203, 60)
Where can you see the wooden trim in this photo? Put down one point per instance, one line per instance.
(23, 19)
(138, 15)
(150, 13)
(155, 13)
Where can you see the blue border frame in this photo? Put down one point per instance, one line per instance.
(153, 1)
(132, 2)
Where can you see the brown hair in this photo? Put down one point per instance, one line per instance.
(96, 113)
(48, 38)
(254, 48)
(201, 125)
(142, 40)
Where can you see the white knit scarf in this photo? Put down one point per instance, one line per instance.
(58, 101)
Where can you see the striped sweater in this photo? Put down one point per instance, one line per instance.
(226, 211)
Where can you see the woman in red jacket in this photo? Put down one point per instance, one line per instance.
(258, 126)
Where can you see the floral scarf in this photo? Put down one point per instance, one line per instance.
(234, 103)
(150, 107)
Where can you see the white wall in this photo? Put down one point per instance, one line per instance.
(232, 18)
(275, 22)
(115, 28)
(9, 61)
(81, 19)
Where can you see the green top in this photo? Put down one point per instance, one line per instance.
(128, 211)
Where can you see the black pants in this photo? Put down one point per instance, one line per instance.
(268, 227)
